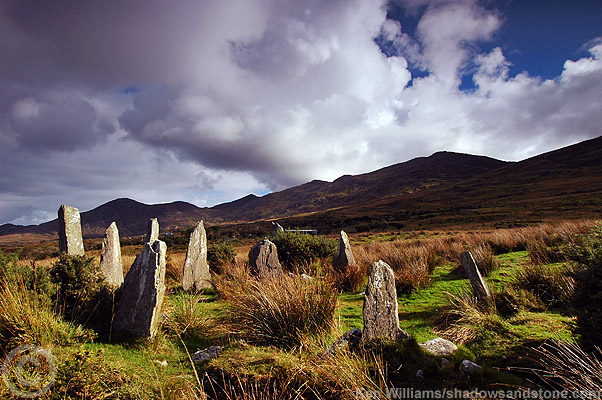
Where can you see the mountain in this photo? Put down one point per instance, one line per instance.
(131, 218)
(444, 189)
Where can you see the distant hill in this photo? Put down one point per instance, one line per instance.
(131, 218)
(444, 189)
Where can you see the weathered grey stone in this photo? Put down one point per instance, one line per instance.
(206, 355)
(470, 368)
(380, 305)
(350, 340)
(70, 231)
(110, 257)
(139, 309)
(479, 287)
(152, 232)
(277, 229)
(196, 270)
(439, 347)
(343, 257)
(263, 259)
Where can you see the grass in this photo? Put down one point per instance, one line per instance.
(274, 333)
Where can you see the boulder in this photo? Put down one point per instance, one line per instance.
(470, 368)
(263, 259)
(139, 309)
(380, 310)
(110, 257)
(206, 355)
(343, 257)
(351, 339)
(196, 270)
(439, 347)
(70, 231)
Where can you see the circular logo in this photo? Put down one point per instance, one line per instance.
(29, 371)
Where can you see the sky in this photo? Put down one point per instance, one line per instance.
(207, 101)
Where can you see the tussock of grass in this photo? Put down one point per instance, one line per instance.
(277, 310)
(565, 366)
(467, 320)
(552, 285)
(25, 319)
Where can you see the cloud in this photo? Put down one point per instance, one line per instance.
(207, 101)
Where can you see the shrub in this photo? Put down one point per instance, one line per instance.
(299, 249)
(81, 290)
(220, 254)
(278, 310)
(586, 251)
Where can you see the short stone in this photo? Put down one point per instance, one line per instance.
(380, 310)
(439, 347)
(343, 257)
(152, 231)
(263, 259)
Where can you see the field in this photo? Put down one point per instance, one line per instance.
(539, 330)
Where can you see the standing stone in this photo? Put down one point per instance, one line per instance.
(110, 257)
(263, 259)
(380, 305)
(277, 229)
(479, 287)
(344, 257)
(196, 270)
(70, 231)
(139, 310)
(152, 232)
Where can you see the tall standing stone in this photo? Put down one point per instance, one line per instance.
(263, 259)
(70, 231)
(344, 257)
(479, 287)
(380, 311)
(139, 310)
(110, 257)
(196, 270)
(152, 231)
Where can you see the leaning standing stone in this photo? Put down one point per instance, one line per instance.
(70, 231)
(110, 257)
(152, 232)
(263, 259)
(196, 270)
(380, 305)
(344, 257)
(139, 310)
(479, 287)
